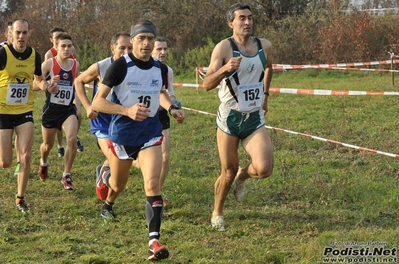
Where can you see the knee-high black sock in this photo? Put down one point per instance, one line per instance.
(153, 213)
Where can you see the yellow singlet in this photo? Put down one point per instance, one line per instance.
(16, 84)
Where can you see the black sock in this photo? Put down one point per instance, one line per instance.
(108, 205)
(18, 199)
(153, 212)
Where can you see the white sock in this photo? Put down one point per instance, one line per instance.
(152, 240)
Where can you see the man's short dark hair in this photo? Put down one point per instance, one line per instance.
(114, 39)
(9, 24)
(55, 29)
(22, 20)
(160, 39)
(63, 36)
(230, 12)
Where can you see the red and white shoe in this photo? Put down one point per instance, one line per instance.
(43, 173)
(67, 182)
(156, 251)
(101, 187)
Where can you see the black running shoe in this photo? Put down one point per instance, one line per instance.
(80, 146)
(22, 207)
(61, 152)
(107, 212)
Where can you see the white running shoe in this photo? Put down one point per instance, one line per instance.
(239, 190)
(218, 222)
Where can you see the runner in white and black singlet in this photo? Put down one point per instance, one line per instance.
(99, 122)
(242, 65)
(138, 85)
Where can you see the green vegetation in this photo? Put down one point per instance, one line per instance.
(301, 31)
(319, 193)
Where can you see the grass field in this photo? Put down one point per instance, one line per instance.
(319, 193)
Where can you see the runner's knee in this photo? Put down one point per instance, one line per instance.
(229, 174)
(152, 185)
(265, 172)
(72, 141)
(47, 146)
(5, 164)
(165, 156)
(118, 188)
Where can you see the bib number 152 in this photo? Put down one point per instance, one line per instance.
(251, 94)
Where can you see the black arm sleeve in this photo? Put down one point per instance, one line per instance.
(164, 71)
(116, 73)
(38, 64)
(3, 58)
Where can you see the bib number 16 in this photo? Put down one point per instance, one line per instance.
(145, 100)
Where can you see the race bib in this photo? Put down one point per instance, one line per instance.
(148, 97)
(250, 96)
(17, 93)
(64, 95)
(120, 151)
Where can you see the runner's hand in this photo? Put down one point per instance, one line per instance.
(138, 112)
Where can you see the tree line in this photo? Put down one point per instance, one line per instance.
(301, 31)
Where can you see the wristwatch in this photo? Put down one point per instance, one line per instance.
(172, 106)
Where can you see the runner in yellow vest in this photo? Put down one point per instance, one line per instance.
(20, 74)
